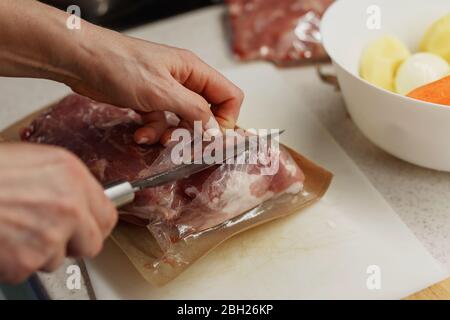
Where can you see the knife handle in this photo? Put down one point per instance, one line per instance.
(120, 193)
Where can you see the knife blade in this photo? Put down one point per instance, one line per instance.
(123, 192)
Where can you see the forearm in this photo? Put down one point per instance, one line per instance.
(113, 68)
(36, 43)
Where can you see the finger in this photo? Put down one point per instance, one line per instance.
(26, 152)
(155, 125)
(55, 261)
(101, 208)
(172, 119)
(166, 137)
(214, 87)
(191, 107)
(87, 238)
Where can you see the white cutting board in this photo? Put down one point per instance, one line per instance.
(322, 252)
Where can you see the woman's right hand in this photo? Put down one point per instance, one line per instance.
(50, 207)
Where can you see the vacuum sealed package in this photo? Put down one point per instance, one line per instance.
(167, 228)
(286, 32)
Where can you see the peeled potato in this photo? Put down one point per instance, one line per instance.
(380, 61)
(420, 69)
(437, 38)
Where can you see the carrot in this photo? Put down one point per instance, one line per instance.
(435, 92)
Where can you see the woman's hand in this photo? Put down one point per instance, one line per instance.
(110, 67)
(50, 207)
(151, 78)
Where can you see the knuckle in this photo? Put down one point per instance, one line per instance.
(239, 94)
(51, 239)
(187, 54)
(201, 109)
(24, 268)
(54, 264)
(73, 168)
(94, 248)
(107, 223)
(63, 156)
(69, 207)
(106, 213)
(112, 219)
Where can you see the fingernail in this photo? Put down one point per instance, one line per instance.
(142, 140)
(212, 124)
(166, 142)
(172, 119)
(212, 128)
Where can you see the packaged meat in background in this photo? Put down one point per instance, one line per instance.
(285, 32)
(167, 228)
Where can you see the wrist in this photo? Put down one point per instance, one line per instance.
(72, 56)
(91, 50)
(35, 42)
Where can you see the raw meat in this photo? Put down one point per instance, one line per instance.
(102, 136)
(282, 31)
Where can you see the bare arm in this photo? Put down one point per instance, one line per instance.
(35, 42)
(113, 68)
(50, 205)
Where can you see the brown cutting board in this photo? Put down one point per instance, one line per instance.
(12, 133)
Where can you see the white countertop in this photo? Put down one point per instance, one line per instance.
(421, 197)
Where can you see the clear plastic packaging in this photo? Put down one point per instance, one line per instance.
(159, 267)
(169, 227)
(286, 32)
(209, 198)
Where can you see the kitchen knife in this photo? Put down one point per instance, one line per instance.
(123, 192)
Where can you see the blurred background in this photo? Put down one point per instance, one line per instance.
(122, 14)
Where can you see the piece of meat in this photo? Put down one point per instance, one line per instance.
(282, 31)
(102, 136)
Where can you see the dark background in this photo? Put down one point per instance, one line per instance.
(122, 14)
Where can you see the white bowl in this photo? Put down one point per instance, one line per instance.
(412, 130)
